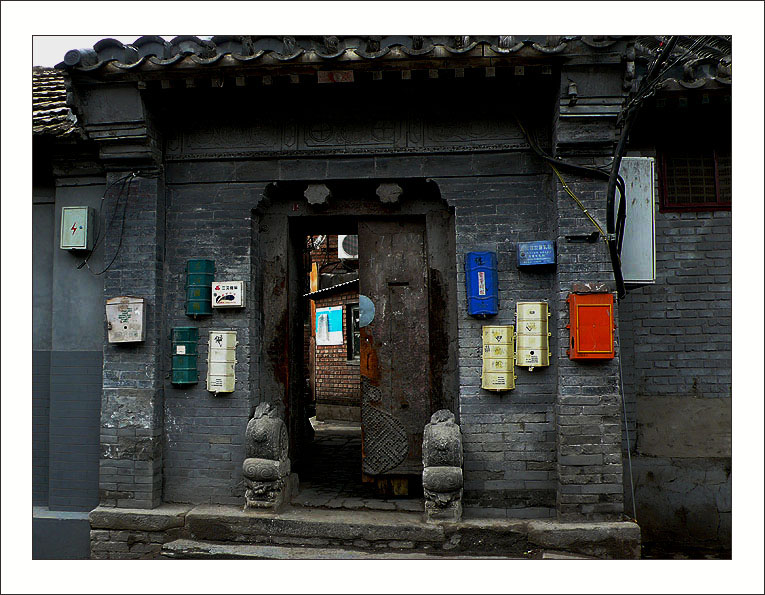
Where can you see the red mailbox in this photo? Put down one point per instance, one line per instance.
(591, 325)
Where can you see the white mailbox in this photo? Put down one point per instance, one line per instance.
(125, 319)
(76, 228)
(228, 294)
(221, 362)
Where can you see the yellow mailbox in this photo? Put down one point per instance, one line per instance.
(498, 351)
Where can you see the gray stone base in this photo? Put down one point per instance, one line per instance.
(123, 533)
(451, 511)
(270, 495)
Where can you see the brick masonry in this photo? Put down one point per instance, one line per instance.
(553, 441)
(131, 411)
(678, 349)
(337, 377)
(508, 438)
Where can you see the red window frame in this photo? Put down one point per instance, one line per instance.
(667, 205)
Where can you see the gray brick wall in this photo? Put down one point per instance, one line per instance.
(681, 326)
(509, 437)
(589, 411)
(131, 413)
(75, 398)
(40, 426)
(204, 434)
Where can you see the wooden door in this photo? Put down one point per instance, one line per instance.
(394, 366)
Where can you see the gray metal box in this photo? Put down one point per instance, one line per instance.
(639, 245)
(77, 228)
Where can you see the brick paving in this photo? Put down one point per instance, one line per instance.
(334, 477)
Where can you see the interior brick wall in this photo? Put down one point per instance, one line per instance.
(337, 377)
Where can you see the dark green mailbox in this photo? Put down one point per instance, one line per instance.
(184, 341)
(199, 278)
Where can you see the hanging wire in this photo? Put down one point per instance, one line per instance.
(122, 226)
(98, 237)
(626, 429)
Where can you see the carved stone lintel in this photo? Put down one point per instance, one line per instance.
(389, 192)
(317, 194)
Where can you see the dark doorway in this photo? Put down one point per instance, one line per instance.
(363, 452)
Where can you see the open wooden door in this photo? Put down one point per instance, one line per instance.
(394, 366)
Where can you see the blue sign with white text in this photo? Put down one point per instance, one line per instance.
(536, 253)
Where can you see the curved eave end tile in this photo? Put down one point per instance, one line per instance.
(205, 61)
(247, 59)
(464, 50)
(166, 62)
(288, 57)
(372, 55)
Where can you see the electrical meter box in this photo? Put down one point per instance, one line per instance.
(591, 326)
(498, 351)
(228, 294)
(125, 319)
(221, 362)
(184, 355)
(77, 228)
(481, 284)
(532, 335)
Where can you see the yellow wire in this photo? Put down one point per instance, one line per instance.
(578, 202)
(568, 190)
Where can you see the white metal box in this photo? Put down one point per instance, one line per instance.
(221, 362)
(639, 245)
(125, 319)
(228, 294)
(76, 228)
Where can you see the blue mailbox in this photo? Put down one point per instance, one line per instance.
(481, 281)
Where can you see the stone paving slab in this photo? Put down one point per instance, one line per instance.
(162, 518)
(186, 548)
(226, 523)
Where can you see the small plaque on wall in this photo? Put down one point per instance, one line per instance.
(329, 326)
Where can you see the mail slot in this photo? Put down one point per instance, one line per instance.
(591, 326)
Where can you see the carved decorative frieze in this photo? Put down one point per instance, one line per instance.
(336, 134)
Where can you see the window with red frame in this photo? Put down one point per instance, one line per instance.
(695, 180)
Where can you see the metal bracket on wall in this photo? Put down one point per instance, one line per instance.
(591, 238)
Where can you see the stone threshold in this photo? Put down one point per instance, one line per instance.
(362, 530)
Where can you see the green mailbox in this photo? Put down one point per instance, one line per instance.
(199, 278)
(184, 341)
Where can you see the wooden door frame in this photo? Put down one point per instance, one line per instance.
(282, 219)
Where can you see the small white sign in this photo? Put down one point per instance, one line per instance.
(228, 294)
(329, 326)
(481, 283)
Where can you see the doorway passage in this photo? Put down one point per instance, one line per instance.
(332, 478)
(331, 475)
(358, 346)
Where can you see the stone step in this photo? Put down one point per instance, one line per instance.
(364, 529)
(192, 549)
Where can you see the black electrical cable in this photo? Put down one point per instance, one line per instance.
(122, 226)
(611, 225)
(100, 212)
(580, 169)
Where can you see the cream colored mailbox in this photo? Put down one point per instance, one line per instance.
(532, 336)
(221, 362)
(125, 319)
(498, 358)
